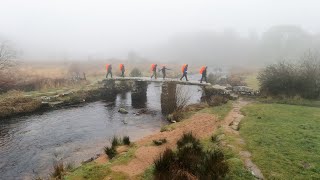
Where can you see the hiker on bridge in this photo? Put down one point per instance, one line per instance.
(122, 69)
(154, 70)
(203, 72)
(163, 69)
(109, 70)
(184, 70)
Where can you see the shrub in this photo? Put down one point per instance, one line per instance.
(110, 151)
(235, 80)
(213, 166)
(183, 97)
(115, 141)
(189, 152)
(214, 78)
(58, 171)
(135, 72)
(216, 100)
(188, 140)
(277, 79)
(126, 140)
(291, 79)
(190, 162)
(163, 165)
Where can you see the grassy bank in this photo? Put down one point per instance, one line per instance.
(283, 139)
(97, 171)
(15, 103)
(219, 111)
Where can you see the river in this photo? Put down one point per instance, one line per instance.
(29, 145)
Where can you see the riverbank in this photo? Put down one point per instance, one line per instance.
(136, 161)
(18, 103)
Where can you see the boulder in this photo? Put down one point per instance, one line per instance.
(123, 111)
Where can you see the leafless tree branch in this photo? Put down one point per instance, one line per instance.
(7, 54)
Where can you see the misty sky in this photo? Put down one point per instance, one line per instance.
(111, 28)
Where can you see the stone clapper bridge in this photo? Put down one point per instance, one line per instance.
(168, 89)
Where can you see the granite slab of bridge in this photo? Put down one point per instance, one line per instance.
(140, 85)
(160, 80)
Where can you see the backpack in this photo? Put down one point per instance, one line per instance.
(203, 68)
(107, 66)
(183, 67)
(121, 66)
(153, 67)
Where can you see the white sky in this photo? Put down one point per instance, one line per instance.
(113, 27)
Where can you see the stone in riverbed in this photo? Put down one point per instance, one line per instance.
(123, 111)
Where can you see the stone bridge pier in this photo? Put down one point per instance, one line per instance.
(109, 92)
(139, 86)
(168, 97)
(139, 94)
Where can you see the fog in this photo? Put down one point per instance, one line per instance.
(229, 32)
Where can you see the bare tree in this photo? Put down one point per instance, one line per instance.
(183, 97)
(7, 54)
(75, 71)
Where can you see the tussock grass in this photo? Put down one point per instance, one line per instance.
(115, 141)
(110, 151)
(59, 171)
(126, 140)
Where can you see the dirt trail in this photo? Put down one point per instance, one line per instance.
(201, 125)
(231, 126)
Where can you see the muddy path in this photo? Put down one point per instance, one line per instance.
(231, 128)
(201, 125)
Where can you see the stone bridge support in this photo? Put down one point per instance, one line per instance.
(109, 90)
(139, 94)
(168, 97)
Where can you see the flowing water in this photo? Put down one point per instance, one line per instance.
(29, 145)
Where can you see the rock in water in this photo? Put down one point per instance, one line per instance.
(123, 111)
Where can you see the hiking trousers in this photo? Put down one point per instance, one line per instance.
(184, 75)
(109, 72)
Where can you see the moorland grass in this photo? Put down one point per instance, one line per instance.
(284, 139)
(219, 111)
